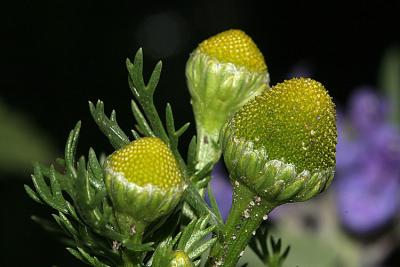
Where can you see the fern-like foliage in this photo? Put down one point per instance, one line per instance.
(272, 254)
(75, 189)
(192, 241)
(83, 211)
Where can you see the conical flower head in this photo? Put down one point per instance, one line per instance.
(147, 162)
(143, 180)
(291, 129)
(223, 73)
(236, 47)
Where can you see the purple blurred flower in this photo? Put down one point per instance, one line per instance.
(368, 164)
(367, 198)
(221, 188)
(367, 110)
(348, 152)
(387, 144)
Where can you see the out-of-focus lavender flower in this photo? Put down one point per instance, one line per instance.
(366, 110)
(387, 143)
(368, 164)
(348, 152)
(221, 188)
(367, 198)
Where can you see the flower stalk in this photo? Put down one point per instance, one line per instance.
(223, 73)
(247, 212)
(279, 148)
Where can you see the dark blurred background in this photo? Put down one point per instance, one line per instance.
(56, 55)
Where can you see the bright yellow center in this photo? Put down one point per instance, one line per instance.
(147, 161)
(234, 46)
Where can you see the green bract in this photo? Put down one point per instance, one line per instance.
(282, 143)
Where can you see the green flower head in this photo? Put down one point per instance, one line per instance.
(284, 136)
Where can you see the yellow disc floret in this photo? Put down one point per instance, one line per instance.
(147, 161)
(235, 46)
(294, 122)
(181, 259)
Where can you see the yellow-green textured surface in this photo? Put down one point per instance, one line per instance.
(234, 46)
(147, 161)
(295, 122)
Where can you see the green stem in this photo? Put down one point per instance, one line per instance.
(196, 201)
(130, 227)
(130, 259)
(273, 262)
(207, 147)
(247, 212)
(135, 231)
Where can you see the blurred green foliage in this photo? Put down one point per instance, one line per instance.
(389, 80)
(21, 143)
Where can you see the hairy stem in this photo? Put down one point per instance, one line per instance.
(208, 149)
(135, 231)
(247, 212)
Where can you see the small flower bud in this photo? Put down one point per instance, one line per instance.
(144, 181)
(181, 259)
(282, 144)
(223, 73)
